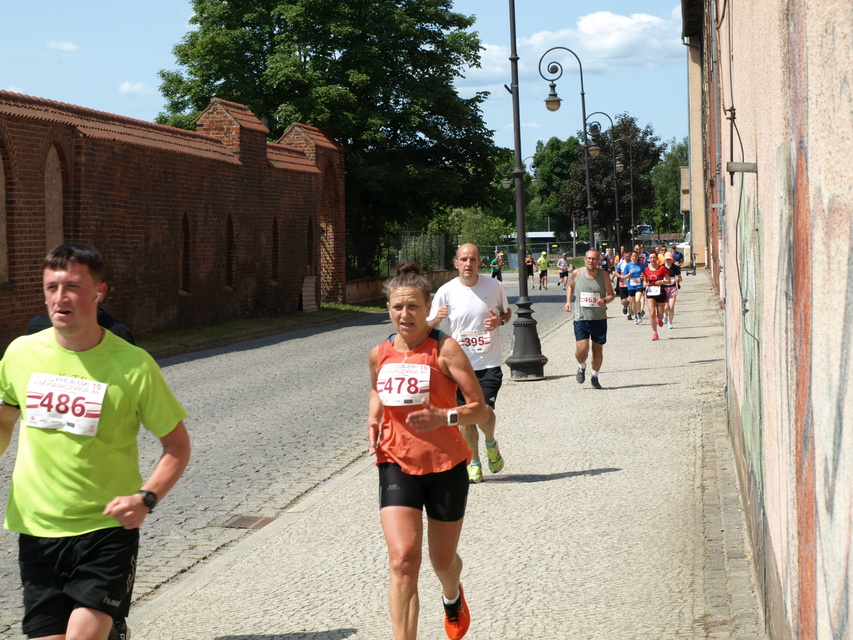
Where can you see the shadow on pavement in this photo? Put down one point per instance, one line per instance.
(545, 477)
(276, 338)
(331, 634)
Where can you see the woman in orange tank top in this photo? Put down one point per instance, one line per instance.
(412, 429)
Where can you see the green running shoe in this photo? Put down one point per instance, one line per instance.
(496, 461)
(475, 474)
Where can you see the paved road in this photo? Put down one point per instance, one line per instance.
(606, 523)
(270, 419)
(616, 516)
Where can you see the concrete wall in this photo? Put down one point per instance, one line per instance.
(777, 92)
(372, 288)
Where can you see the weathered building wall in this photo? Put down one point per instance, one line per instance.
(196, 227)
(777, 94)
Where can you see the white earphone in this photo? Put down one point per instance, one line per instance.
(98, 296)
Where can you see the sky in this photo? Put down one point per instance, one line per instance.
(105, 55)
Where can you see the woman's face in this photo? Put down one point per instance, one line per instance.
(408, 310)
(653, 259)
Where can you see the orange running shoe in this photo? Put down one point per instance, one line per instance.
(457, 618)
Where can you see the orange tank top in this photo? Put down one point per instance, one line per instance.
(405, 377)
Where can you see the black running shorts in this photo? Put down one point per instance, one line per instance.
(95, 570)
(490, 379)
(443, 495)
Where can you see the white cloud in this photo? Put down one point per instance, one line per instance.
(135, 89)
(604, 42)
(14, 89)
(57, 45)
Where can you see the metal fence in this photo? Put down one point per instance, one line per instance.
(429, 252)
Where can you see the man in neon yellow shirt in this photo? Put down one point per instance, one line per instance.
(81, 394)
(542, 263)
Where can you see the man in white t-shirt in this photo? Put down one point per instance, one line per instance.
(563, 265)
(472, 310)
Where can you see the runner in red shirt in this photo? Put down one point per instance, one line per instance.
(655, 276)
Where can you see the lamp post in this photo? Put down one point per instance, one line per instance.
(615, 173)
(631, 179)
(526, 361)
(506, 183)
(552, 103)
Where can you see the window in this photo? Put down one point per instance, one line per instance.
(53, 219)
(185, 254)
(274, 252)
(4, 247)
(229, 253)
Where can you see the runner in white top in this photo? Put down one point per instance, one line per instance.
(472, 310)
(563, 265)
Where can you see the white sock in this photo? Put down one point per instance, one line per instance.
(449, 602)
(594, 373)
(582, 366)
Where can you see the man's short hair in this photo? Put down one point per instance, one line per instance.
(78, 253)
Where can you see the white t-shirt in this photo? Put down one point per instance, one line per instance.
(465, 322)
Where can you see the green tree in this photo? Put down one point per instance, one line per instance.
(471, 224)
(377, 74)
(665, 212)
(553, 160)
(638, 150)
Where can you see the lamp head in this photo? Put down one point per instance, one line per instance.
(552, 102)
(594, 150)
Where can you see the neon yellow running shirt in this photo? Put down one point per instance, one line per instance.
(63, 479)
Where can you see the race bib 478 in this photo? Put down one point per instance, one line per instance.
(401, 385)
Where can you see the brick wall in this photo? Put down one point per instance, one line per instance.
(127, 188)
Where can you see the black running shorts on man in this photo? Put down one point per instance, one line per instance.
(94, 570)
(595, 329)
(490, 379)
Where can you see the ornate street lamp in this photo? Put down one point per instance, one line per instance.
(526, 361)
(615, 173)
(621, 167)
(552, 102)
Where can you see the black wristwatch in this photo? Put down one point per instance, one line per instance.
(149, 498)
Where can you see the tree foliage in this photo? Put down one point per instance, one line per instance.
(636, 149)
(377, 74)
(553, 161)
(665, 212)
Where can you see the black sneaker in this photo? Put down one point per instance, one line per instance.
(581, 375)
(630, 317)
(624, 310)
(595, 383)
(119, 630)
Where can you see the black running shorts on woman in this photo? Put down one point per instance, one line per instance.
(443, 495)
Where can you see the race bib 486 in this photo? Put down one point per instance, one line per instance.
(64, 403)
